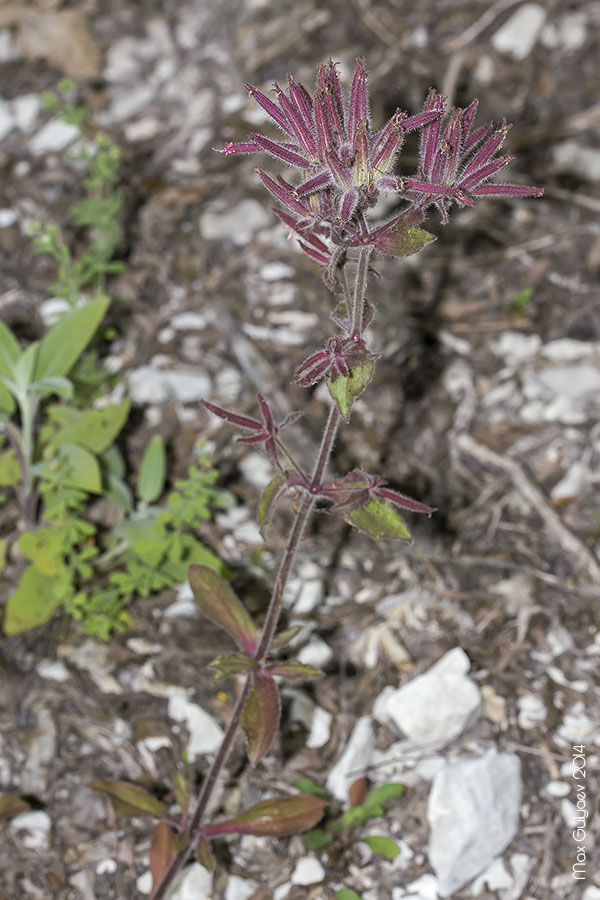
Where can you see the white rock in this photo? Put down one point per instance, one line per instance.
(314, 718)
(591, 893)
(256, 469)
(7, 119)
(130, 102)
(572, 484)
(205, 733)
(32, 829)
(567, 350)
(53, 137)
(516, 348)
(239, 888)
(316, 653)
(143, 129)
(495, 877)
(357, 757)
(577, 159)
(107, 866)
(557, 789)
(275, 271)
(8, 217)
(53, 670)
(519, 33)
(95, 659)
(238, 224)
(152, 385)
(308, 870)
(424, 888)
(473, 814)
(569, 33)
(282, 890)
(144, 882)
(531, 710)
(189, 321)
(54, 309)
(320, 729)
(521, 865)
(309, 596)
(26, 109)
(435, 707)
(195, 884)
(184, 607)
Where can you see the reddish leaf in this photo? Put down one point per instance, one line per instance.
(162, 851)
(260, 719)
(284, 637)
(358, 791)
(277, 817)
(11, 805)
(218, 602)
(129, 799)
(293, 669)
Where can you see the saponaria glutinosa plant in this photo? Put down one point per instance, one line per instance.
(345, 164)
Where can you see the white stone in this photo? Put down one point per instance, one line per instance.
(189, 321)
(521, 865)
(32, 829)
(95, 659)
(54, 309)
(435, 707)
(473, 814)
(106, 866)
(205, 733)
(238, 224)
(316, 653)
(423, 888)
(519, 33)
(256, 469)
(130, 102)
(7, 119)
(357, 757)
(26, 109)
(320, 728)
(185, 605)
(239, 888)
(248, 533)
(53, 670)
(516, 348)
(591, 893)
(8, 217)
(282, 890)
(144, 883)
(577, 159)
(310, 595)
(275, 271)
(566, 350)
(572, 484)
(54, 136)
(557, 789)
(495, 877)
(308, 870)
(152, 385)
(569, 34)
(194, 884)
(143, 129)
(531, 711)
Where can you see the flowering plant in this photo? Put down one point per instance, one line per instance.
(345, 165)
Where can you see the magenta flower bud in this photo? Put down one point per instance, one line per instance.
(284, 193)
(230, 149)
(388, 143)
(349, 204)
(325, 138)
(299, 128)
(404, 502)
(342, 174)
(506, 190)
(312, 369)
(361, 171)
(320, 181)
(270, 108)
(358, 110)
(302, 101)
(279, 151)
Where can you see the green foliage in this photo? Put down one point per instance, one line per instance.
(338, 831)
(97, 211)
(520, 300)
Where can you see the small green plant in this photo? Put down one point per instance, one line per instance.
(520, 300)
(338, 832)
(97, 211)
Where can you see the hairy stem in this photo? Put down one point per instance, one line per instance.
(276, 602)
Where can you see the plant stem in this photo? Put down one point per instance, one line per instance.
(276, 602)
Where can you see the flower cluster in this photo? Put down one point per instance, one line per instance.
(345, 165)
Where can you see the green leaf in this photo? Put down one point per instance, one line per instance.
(94, 429)
(83, 469)
(25, 367)
(308, 786)
(294, 670)
(146, 540)
(344, 390)
(66, 341)
(57, 384)
(284, 637)
(218, 602)
(44, 547)
(7, 401)
(129, 799)
(260, 718)
(232, 664)
(33, 602)
(401, 241)
(10, 470)
(9, 350)
(204, 855)
(151, 479)
(385, 792)
(276, 817)
(383, 846)
(316, 838)
(378, 519)
(358, 815)
(269, 498)
(347, 894)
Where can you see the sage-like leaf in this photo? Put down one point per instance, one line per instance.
(378, 519)
(65, 342)
(276, 817)
(383, 793)
(129, 799)
(151, 480)
(293, 670)
(204, 855)
(232, 664)
(344, 390)
(218, 602)
(260, 718)
(271, 494)
(402, 241)
(383, 846)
